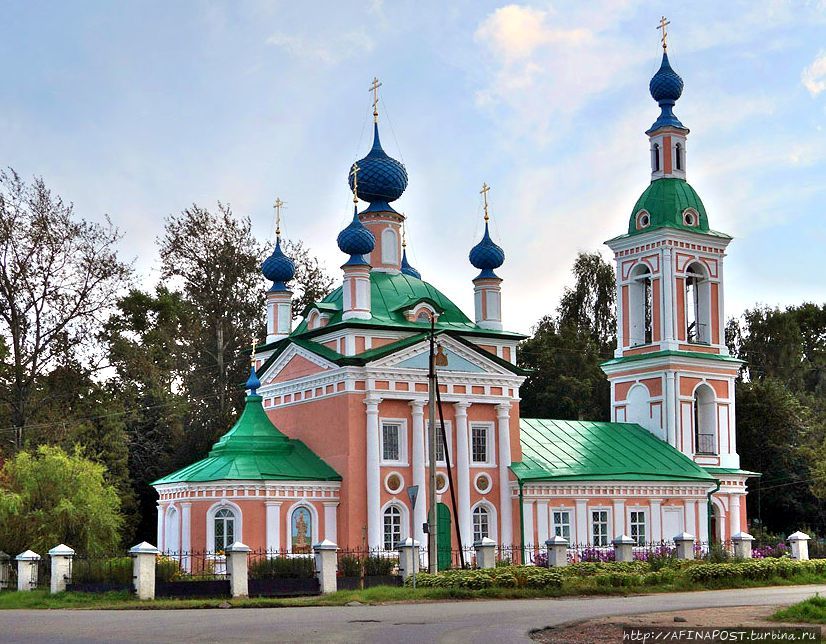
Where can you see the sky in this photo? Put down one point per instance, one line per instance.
(136, 110)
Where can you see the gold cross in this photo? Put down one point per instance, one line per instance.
(404, 235)
(663, 24)
(374, 87)
(484, 192)
(355, 173)
(278, 205)
(253, 351)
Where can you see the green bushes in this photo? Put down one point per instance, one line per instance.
(499, 577)
(282, 567)
(113, 570)
(374, 566)
(754, 570)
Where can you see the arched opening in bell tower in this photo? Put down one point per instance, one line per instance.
(697, 304)
(641, 305)
(705, 420)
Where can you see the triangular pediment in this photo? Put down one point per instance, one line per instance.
(460, 358)
(295, 362)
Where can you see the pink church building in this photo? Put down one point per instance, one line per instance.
(334, 429)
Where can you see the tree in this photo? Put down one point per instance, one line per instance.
(49, 497)
(565, 351)
(58, 277)
(312, 283)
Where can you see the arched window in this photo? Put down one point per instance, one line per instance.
(641, 306)
(481, 523)
(392, 527)
(678, 156)
(172, 532)
(224, 523)
(705, 420)
(389, 246)
(655, 158)
(301, 530)
(697, 304)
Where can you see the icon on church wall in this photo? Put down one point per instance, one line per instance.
(302, 524)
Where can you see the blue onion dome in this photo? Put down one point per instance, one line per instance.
(380, 178)
(356, 240)
(253, 383)
(486, 255)
(278, 268)
(407, 269)
(666, 87)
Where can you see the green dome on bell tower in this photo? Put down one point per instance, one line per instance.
(668, 203)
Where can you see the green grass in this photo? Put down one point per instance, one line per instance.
(572, 587)
(811, 611)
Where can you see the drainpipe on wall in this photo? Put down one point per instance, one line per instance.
(521, 521)
(711, 509)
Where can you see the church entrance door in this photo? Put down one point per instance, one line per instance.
(443, 536)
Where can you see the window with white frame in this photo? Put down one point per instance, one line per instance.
(224, 523)
(562, 524)
(638, 527)
(481, 444)
(440, 445)
(599, 527)
(392, 527)
(393, 441)
(481, 523)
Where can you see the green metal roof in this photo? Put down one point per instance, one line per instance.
(391, 295)
(576, 450)
(254, 449)
(672, 354)
(665, 200)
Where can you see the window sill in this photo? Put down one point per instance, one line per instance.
(394, 464)
(484, 465)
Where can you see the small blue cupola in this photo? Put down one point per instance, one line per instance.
(355, 240)
(486, 255)
(381, 178)
(278, 268)
(666, 87)
(407, 269)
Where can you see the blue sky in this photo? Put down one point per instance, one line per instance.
(139, 109)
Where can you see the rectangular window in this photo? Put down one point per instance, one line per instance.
(440, 446)
(599, 527)
(391, 441)
(562, 524)
(638, 527)
(479, 435)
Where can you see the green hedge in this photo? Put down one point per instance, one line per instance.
(754, 570)
(282, 567)
(350, 565)
(499, 577)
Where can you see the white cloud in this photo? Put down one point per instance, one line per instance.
(327, 50)
(814, 76)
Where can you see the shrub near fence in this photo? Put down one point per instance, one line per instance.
(101, 574)
(499, 577)
(191, 574)
(375, 567)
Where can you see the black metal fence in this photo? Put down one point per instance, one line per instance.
(191, 574)
(101, 573)
(279, 573)
(367, 567)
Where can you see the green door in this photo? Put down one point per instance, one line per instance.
(443, 532)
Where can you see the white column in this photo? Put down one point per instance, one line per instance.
(160, 527)
(186, 527)
(721, 307)
(656, 520)
(671, 408)
(463, 471)
(505, 503)
(734, 513)
(330, 521)
(690, 516)
(420, 511)
(273, 526)
(542, 523)
(702, 515)
(667, 286)
(620, 312)
(374, 539)
(583, 535)
(619, 519)
(527, 510)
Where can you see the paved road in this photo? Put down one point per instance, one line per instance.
(478, 621)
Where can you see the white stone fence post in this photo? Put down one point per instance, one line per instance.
(485, 553)
(143, 569)
(799, 542)
(238, 569)
(326, 566)
(408, 558)
(557, 548)
(5, 570)
(623, 548)
(61, 573)
(742, 545)
(27, 570)
(684, 544)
